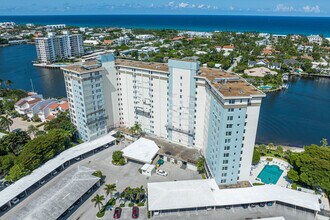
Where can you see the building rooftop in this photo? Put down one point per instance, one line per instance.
(142, 150)
(85, 67)
(143, 65)
(59, 196)
(206, 193)
(176, 151)
(27, 181)
(229, 84)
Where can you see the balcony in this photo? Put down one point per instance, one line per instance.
(187, 132)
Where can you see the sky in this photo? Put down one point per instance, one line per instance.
(206, 7)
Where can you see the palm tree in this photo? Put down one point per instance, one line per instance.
(109, 188)
(98, 200)
(135, 129)
(8, 83)
(32, 130)
(6, 122)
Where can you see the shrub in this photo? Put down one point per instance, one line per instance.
(294, 186)
(258, 184)
(131, 204)
(140, 204)
(256, 156)
(117, 158)
(101, 213)
(122, 205)
(269, 159)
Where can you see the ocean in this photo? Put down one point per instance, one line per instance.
(268, 24)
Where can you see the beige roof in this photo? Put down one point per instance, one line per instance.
(259, 72)
(85, 67)
(229, 84)
(143, 65)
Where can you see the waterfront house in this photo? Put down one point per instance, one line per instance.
(24, 105)
(259, 72)
(35, 109)
(266, 63)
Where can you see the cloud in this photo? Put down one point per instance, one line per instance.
(283, 8)
(304, 9)
(311, 9)
(184, 5)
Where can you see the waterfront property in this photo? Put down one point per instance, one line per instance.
(58, 47)
(206, 109)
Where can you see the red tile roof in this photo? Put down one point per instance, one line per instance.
(50, 117)
(228, 47)
(54, 105)
(65, 106)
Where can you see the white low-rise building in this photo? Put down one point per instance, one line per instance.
(142, 151)
(196, 195)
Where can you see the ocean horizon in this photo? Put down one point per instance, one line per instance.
(209, 23)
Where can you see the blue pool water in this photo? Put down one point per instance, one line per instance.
(270, 174)
(265, 87)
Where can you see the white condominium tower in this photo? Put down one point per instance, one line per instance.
(207, 109)
(57, 47)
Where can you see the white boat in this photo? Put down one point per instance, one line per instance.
(285, 77)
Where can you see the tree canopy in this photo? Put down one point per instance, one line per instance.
(312, 166)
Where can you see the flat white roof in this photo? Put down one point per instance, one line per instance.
(26, 182)
(58, 197)
(205, 193)
(148, 167)
(142, 150)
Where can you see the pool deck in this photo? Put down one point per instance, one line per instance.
(283, 165)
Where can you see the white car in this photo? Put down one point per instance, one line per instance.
(161, 173)
(15, 201)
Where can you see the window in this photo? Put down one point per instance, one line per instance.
(226, 155)
(228, 133)
(230, 110)
(229, 125)
(227, 140)
(224, 168)
(224, 174)
(230, 118)
(225, 162)
(232, 101)
(227, 147)
(223, 181)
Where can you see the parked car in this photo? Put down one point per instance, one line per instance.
(4, 208)
(161, 173)
(262, 204)
(54, 172)
(15, 201)
(117, 213)
(71, 208)
(42, 182)
(135, 212)
(21, 196)
(269, 203)
(252, 205)
(245, 206)
(228, 207)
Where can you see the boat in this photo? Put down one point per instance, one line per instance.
(285, 77)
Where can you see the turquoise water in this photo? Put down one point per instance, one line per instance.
(270, 174)
(265, 87)
(270, 24)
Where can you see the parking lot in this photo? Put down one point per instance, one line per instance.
(239, 213)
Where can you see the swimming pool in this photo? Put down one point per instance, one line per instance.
(265, 87)
(270, 174)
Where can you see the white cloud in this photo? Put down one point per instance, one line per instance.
(312, 9)
(283, 8)
(183, 5)
(201, 6)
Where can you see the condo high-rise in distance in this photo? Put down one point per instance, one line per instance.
(198, 107)
(57, 47)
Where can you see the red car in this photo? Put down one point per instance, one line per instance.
(135, 212)
(117, 213)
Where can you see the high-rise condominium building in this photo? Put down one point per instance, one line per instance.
(57, 47)
(207, 109)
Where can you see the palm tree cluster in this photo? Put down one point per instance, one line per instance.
(135, 129)
(98, 199)
(135, 195)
